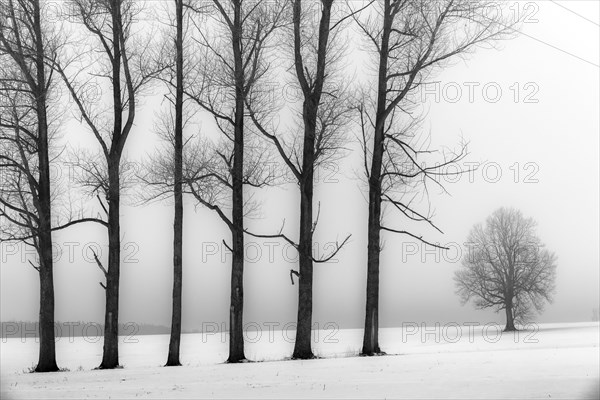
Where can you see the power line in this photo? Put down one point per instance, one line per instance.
(571, 11)
(552, 46)
(559, 49)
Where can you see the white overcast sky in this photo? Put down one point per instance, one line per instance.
(552, 144)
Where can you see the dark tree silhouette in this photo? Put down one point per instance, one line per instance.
(163, 173)
(122, 59)
(507, 268)
(325, 112)
(232, 62)
(175, 338)
(25, 192)
(29, 109)
(411, 39)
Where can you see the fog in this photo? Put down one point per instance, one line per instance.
(530, 114)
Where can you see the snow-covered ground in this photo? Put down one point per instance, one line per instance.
(550, 361)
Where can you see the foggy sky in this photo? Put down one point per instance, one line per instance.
(552, 143)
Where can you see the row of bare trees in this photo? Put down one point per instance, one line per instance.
(216, 58)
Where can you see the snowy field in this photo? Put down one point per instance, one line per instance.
(550, 361)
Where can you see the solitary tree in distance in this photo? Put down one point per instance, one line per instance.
(507, 268)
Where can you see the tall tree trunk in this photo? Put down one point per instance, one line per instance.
(236, 309)
(371, 334)
(47, 355)
(175, 340)
(110, 357)
(312, 97)
(302, 346)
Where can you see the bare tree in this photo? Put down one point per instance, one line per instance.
(232, 60)
(507, 268)
(175, 339)
(317, 55)
(165, 170)
(121, 59)
(25, 192)
(411, 39)
(171, 180)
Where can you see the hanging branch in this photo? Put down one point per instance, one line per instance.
(104, 271)
(34, 267)
(227, 246)
(292, 273)
(102, 204)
